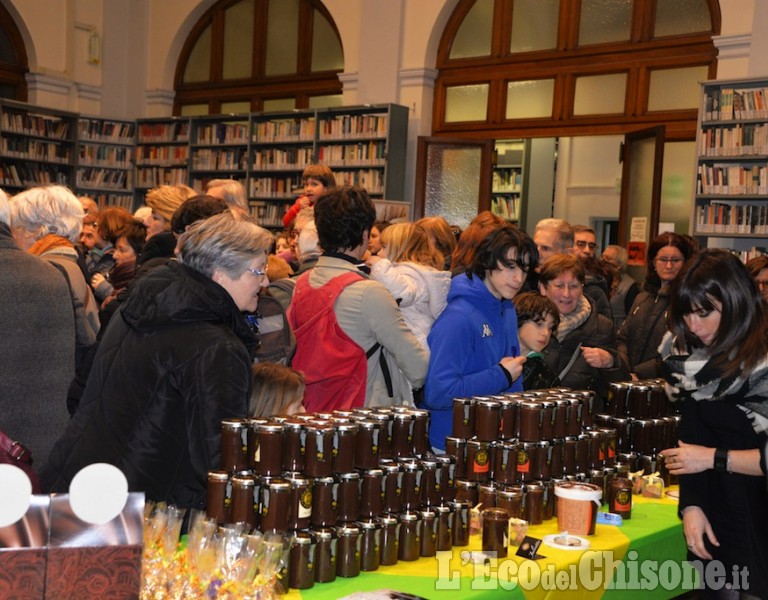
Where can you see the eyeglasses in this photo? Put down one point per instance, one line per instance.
(561, 286)
(261, 273)
(584, 244)
(761, 284)
(663, 261)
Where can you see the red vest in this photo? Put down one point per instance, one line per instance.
(335, 367)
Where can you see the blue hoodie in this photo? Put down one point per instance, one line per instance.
(474, 332)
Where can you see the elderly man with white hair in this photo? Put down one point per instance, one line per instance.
(37, 356)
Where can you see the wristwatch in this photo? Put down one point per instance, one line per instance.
(721, 461)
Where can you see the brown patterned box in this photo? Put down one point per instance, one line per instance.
(22, 553)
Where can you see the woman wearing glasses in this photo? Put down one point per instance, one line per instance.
(174, 361)
(582, 352)
(640, 334)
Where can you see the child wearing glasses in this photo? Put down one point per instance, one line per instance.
(473, 343)
(641, 333)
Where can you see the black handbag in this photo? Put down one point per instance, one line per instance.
(15, 453)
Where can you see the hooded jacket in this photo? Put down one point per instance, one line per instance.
(641, 333)
(175, 361)
(469, 338)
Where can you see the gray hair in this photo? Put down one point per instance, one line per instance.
(227, 241)
(48, 209)
(5, 209)
(564, 231)
(232, 192)
(622, 256)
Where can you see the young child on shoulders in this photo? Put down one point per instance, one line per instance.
(537, 320)
(410, 267)
(277, 390)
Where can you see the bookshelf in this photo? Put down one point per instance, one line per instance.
(219, 149)
(730, 208)
(37, 146)
(105, 164)
(508, 179)
(162, 153)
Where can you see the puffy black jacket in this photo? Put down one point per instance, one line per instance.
(175, 360)
(639, 336)
(596, 332)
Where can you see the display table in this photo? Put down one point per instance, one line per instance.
(646, 551)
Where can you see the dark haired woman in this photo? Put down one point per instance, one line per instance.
(473, 343)
(639, 336)
(716, 365)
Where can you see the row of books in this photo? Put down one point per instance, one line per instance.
(150, 133)
(507, 181)
(106, 131)
(222, 133)
(105, 199)
(20, 175)
(31, 149)
(728, 103)
(106, 156)
(370, 179)
(279, 158)
(725, 217)
(506, 207)
(34, 124)
(346, 126)
(288, 130)
(104, 178)
(737, 140)
(275, 187)
(148, 177)
(732, 179)
(222, 160)
(162, 155)
(351, 154)
(267, 214)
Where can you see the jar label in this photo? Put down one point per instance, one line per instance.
(481, 462)
(523, 462)
(305, 504)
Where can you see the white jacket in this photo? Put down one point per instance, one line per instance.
(420, 290)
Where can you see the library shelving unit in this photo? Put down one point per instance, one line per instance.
(162, 153)
(509, 178)
(219, 147)
(37, 146)
(730, 208)
(105, 166)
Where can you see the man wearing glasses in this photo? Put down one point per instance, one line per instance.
(584, 241)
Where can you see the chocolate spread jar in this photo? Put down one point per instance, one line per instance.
(486, 495)
(510, 498)
(245, 500)
(344, 447)
(583, 461)
(252, 437)
(402, 434)
(319, 453)
(348, 495)
(446, 476)
(430, 492)
(562, 415)
(234, 445)
(427, 532)
(463, 418)
(301, 561)
(620, 497)
(639, 401)
(367, 444)
(269, 453)
(573, 425)
(487, 419)
(420, 445)
(642, 436)
(390, 532)
(609, 446)
(534, 503)
(466, 491)
(507, 417)
(370, 544)
(324, 502)
(275, 505)
(457, 447)
(526, 454)
(300, 509)
(495, 531)
(294, 445)
(219, 497)
(557, 468)
(478, 460)
(411, 484)
(326, 554)
(392, 484)
(531, 415)
(541, 467)
(505, 462)
(385, 418)
(409, 542)
(460, 529)
(444, 527)
(348, 555)
(616, 402)
(371, 493)
(548, 422)
(569, 454)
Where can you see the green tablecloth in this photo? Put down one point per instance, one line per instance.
(647, 551)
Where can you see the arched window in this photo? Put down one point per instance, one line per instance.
(254, 55)
(574, 67)
(13, 59)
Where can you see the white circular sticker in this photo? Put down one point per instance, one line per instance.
(15, 494)
(98, 493)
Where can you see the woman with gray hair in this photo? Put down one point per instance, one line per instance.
(46, 221)
(173, 363)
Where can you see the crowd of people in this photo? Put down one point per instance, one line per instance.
(129, 338)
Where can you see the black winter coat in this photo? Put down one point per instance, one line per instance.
(596, 332)
(175, 360)
(641, 333)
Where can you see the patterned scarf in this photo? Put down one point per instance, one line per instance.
(690, 375)
(571, 321)
(49, 242)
